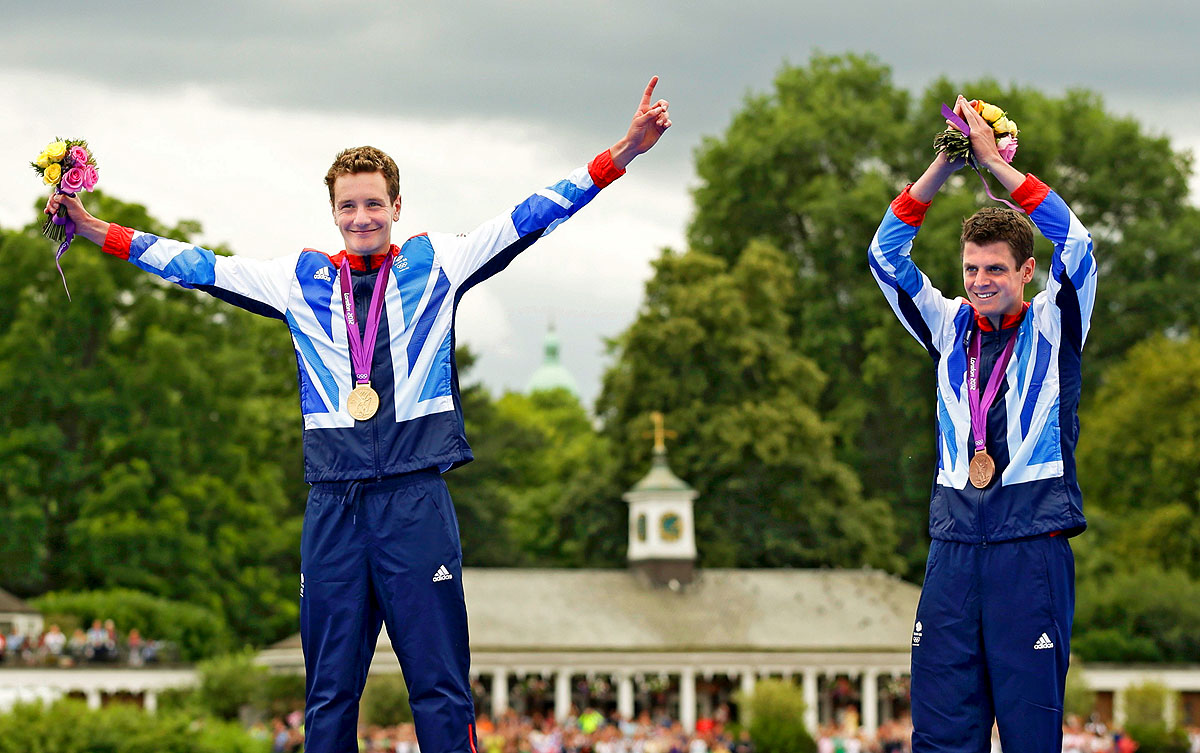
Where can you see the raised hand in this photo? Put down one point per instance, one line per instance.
(650, 122)
(85, 224)
(982, 137)
(983, 146)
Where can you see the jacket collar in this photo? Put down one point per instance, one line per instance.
(1008, 321)
(362, 263)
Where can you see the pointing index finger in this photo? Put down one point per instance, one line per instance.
(648, 94)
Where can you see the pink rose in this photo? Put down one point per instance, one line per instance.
(78, 156)
(1008, 148)
(72, 180)
(90, 177)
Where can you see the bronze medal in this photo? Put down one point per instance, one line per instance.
(363, 401)
(982, 469)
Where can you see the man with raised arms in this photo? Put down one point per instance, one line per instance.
(373, 329)
(993, 627)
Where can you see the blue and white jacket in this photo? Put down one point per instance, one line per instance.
(1033, 425)
(419, 423)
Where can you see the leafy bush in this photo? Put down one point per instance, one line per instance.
(280, 694)
(228, 683)
(70, 727)
(777, 718)
(385, 700)
(196, 631)
(1144, 703)
(1156, 738)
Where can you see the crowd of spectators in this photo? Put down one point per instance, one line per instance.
(592, 732)
(1097, 737)
(101, 643)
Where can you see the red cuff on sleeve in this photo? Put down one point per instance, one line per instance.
(1031, 193)
(907, 209)
(602, 169)
(117, 240)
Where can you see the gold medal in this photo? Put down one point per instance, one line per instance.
(364, 401)
(982, 469)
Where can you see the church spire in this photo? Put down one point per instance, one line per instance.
(552, 374)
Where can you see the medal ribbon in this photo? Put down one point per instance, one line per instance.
(980, 406)
(62, 218)
(363, 346)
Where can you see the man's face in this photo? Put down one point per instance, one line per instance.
(363, 212)
(994, 283)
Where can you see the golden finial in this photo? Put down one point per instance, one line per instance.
(661, 433)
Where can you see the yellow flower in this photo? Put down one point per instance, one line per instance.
(1004, 125)
(1012, 128)
(991, 113)
(52, 174)
(42, 161)
(56, 151)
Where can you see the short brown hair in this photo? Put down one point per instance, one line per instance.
(993, 224)
(364, 159)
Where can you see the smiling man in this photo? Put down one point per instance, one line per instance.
(993, 627)
(373, 329)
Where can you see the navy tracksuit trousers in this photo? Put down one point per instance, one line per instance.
(992, 641)
(384, 551)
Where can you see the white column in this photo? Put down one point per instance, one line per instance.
(687, 699)
(812, 707)
(870, 701)
(562, 694)
(1169, 704)
(151, 701)
(93, 699)
(499, 692)
(1119, 707)
(747, 682)
(625, 695)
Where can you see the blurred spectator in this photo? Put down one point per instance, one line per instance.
(136, 658)
(99, 646)
(54, 642)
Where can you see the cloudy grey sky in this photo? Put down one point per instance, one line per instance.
(229, 112)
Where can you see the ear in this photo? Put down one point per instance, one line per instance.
(396, 209)
(1027, 270)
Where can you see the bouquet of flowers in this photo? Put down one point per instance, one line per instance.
(69, 166)
(954, 143)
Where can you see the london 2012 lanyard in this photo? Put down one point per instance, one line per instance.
(982, 467)
(363, 401)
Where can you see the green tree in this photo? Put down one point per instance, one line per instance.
(1138, 615)
(567, 447)
(711, 349)
(1139, 460)
(385, 700)
(153, 445)
(227, 684)
(776, 711)
(811, 166)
